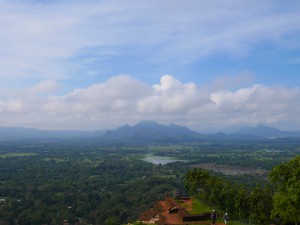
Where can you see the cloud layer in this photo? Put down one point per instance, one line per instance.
(73, 39)
(57, 59)
(123, 99)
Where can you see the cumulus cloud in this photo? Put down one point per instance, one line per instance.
(11, 106)
(123, 99)
(117, 94)
(258, 104)
(171, 96)
(227, 99)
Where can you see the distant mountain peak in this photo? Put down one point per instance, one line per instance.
(151, 131)
(147, 122)
(11, 133)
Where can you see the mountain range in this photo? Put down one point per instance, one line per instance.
(268, 132)
(148, 132)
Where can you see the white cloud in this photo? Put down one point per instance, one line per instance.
(11, 106)
(258, 104)
(228, 99)
(46, 86)
(171, 96)
(122, 99)
(118, 94)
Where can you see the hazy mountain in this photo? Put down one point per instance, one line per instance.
(267, 132)
(149, 131)
(230, 137)
(146, 132)
(31, 133)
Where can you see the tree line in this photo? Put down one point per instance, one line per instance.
(278, 201)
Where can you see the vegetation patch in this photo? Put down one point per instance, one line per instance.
(17, 154)
(194, 206)
(198, 207)
(57, 160)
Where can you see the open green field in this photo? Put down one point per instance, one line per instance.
(17, 154)
(196, 207)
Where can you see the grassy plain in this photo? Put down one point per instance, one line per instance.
(17, 154)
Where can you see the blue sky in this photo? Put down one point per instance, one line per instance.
(89, 65)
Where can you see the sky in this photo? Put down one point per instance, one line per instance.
(100, 64)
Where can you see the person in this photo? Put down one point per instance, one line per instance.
(214, 216)
(226, 218)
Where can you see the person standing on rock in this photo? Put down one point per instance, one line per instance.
(214, 217)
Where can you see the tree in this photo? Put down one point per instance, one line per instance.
(242, 203)
(261, 205)
(195, 179)
(113, 220)
(286, 200)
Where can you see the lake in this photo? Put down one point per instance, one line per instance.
(161, 159)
